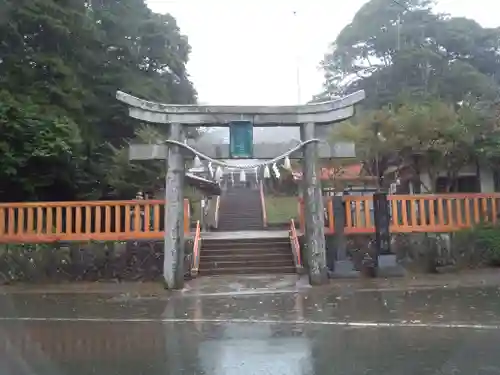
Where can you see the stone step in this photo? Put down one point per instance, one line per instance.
(239, 219)
(236, 227)
(237, 210)
(234, 197)
(246, 192)
(229, 204)
(240, 223)
(240, 245)
(240, 209)
(238, 197)
(241, 213)
(263, 243)
(229, 254)
(240, 201)
(245, 256)
(247, 271)
(249, 264)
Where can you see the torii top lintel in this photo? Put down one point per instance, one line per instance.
(216, 115)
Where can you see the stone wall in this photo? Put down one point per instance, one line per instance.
(91, 261)
(425, 252)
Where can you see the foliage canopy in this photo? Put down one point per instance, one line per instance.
(61, 62)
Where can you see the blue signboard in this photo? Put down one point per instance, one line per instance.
(241, 139)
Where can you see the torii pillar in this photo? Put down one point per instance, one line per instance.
(308, 117)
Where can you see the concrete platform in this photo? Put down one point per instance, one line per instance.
(253, 234)
(245, 285)
(344, 269)
(387, 267)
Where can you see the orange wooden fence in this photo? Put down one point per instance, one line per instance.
(416, 213)
(141, 219)
(327, 204)
(83, 221)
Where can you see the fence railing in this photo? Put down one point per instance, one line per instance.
(328, 205)
(217, 208)
(196, 250)
(294, 241)
(144, 219)
(263, 204)
(82, 221)
(416, 213)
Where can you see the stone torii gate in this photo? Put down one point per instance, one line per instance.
(310, 118)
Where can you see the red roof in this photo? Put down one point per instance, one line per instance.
(349, 171)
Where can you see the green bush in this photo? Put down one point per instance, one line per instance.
(479, 245)
(488, 239)
(29, 261)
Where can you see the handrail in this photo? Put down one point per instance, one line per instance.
(217, 207)
(263, 204)
(329, 210)
(294, 241)
(84, 221)
(301, 209)
(196, 250)
(187, 216)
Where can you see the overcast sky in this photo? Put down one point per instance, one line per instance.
(247, 51)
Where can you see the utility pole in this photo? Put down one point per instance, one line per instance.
(376, 129)
(297, 57)
(398, 40)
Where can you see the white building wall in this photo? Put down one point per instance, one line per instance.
(487, 181)
(486, 173)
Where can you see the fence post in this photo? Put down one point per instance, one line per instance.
(339, 227)
(382, 223)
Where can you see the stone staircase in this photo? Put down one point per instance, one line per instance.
(240, 210)
(241, 252)
(246, 256)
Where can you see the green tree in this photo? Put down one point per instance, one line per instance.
(61, 62)
(432, 84)
(128, 177)
(429, 137)
(37, 151)
(394, 47)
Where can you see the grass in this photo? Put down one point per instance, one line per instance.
(281, 209)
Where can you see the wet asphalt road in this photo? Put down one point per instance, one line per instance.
(289, 331)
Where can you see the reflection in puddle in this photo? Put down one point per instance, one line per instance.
(245, 356)
(151, 348)
(78, 348)
(219, 335)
